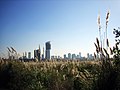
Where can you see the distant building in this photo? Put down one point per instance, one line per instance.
(52, 57)
(59, 57)
(65, 57)
(25, 54)
(80, 55)
(29, 55)
(43, 54)
(88, 57)
(47, 52)
(73, 56)
(69, 56)
(37, 54)
(91, 56)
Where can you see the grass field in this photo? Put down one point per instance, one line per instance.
(54, 75)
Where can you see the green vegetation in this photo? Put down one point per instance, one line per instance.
(48, 75)
(54, 75)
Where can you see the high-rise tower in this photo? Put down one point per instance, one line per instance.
(43, 54)
(29, 55)
(47, 52)
(37, 54)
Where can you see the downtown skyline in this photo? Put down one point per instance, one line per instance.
(71, 26)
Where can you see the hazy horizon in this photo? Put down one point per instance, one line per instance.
(71, 26)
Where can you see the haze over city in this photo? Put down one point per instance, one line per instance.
(71, 26)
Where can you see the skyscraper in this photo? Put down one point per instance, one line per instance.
(43, 54)
(65, 57)
(73, 56)
(37, 54)
(69, 56)
(80, 55)
(29, 55)
(25, 54)
(88, 56)
(47, 52)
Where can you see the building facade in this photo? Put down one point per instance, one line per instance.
(69, 56)
(29, 55)
(37, 54)
(47, 51)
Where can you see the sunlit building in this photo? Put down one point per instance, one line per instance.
(43, 54)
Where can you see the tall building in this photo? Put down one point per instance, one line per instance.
(65, 57)
(43, 54)
(37, 54)
(80, 55)
(52, 57)
(29, 55)
(73, 56)
(69, 56)
(91, 56)
(47, 52)
(88, 56)
(25, 54)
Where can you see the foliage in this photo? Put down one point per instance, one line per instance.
(116, 49)
(48, 75)
(108, 76)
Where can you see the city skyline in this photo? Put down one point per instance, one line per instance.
(71, 26)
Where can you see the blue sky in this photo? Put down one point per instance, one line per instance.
(70, 25)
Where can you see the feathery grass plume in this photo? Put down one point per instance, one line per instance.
(107, 43)
(99, 30)
(96, 46)
(97, 42)
(99, 20)
(13, 50)
(94, 55)
(103, 55)
(9, 49)
(101, 49)
(107, 17)
(111, 51)
(97, 50)
(106, 51)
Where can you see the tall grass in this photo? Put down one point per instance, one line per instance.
(48, 75)
(108, 77)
